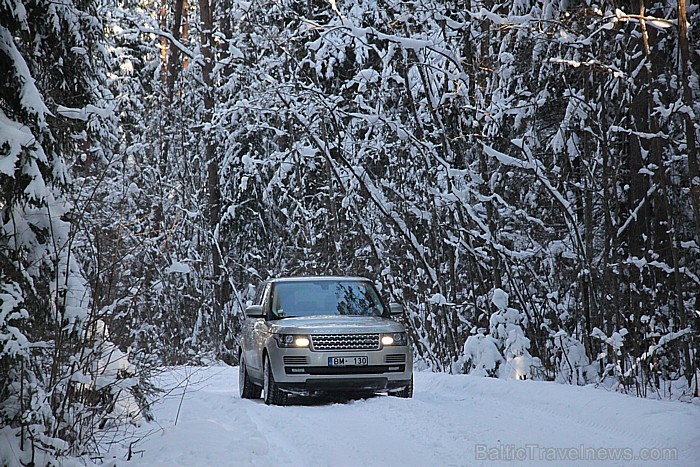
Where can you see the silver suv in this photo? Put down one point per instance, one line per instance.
(307, 335)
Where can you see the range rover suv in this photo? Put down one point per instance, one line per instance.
(309, 335)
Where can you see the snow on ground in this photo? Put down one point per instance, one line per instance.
(453, 420)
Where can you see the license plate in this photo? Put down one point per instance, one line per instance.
(348, 361)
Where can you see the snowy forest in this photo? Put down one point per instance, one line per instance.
(521, 176)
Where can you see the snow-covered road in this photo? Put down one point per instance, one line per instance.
(451, 421)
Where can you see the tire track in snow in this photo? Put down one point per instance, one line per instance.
(440, 426)
(212, 426)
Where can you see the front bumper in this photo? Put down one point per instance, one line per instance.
(304, 371)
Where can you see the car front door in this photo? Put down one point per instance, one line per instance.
(259, 333)
(248, 346)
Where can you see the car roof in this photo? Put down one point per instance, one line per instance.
(319, 278)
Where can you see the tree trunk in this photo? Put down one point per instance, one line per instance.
(213, 189)
(174, 66)
(685, 72)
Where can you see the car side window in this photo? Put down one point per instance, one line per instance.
(266, 298)
(259, 294)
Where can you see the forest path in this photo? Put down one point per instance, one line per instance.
(453, 420)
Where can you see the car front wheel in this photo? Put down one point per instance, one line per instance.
(405, 393)
(246, 388)
(273, 394)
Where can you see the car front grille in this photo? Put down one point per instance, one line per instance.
(345, 341)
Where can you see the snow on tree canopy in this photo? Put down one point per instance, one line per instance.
(438, 299)
(500, 299)
(13, 136)
(508, 334)
(178, 267)
(481, 355)
(30, 97)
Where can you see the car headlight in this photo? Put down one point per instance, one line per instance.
(292, 340)
(394, 338)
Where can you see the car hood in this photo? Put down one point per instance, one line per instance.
(335, 325)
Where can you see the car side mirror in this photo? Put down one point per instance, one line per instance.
(395, 309)
(254, 311)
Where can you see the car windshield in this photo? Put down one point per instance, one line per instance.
(325, 297)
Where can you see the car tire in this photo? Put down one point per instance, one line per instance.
(246, 388)
(273, 394)
(405, 393)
